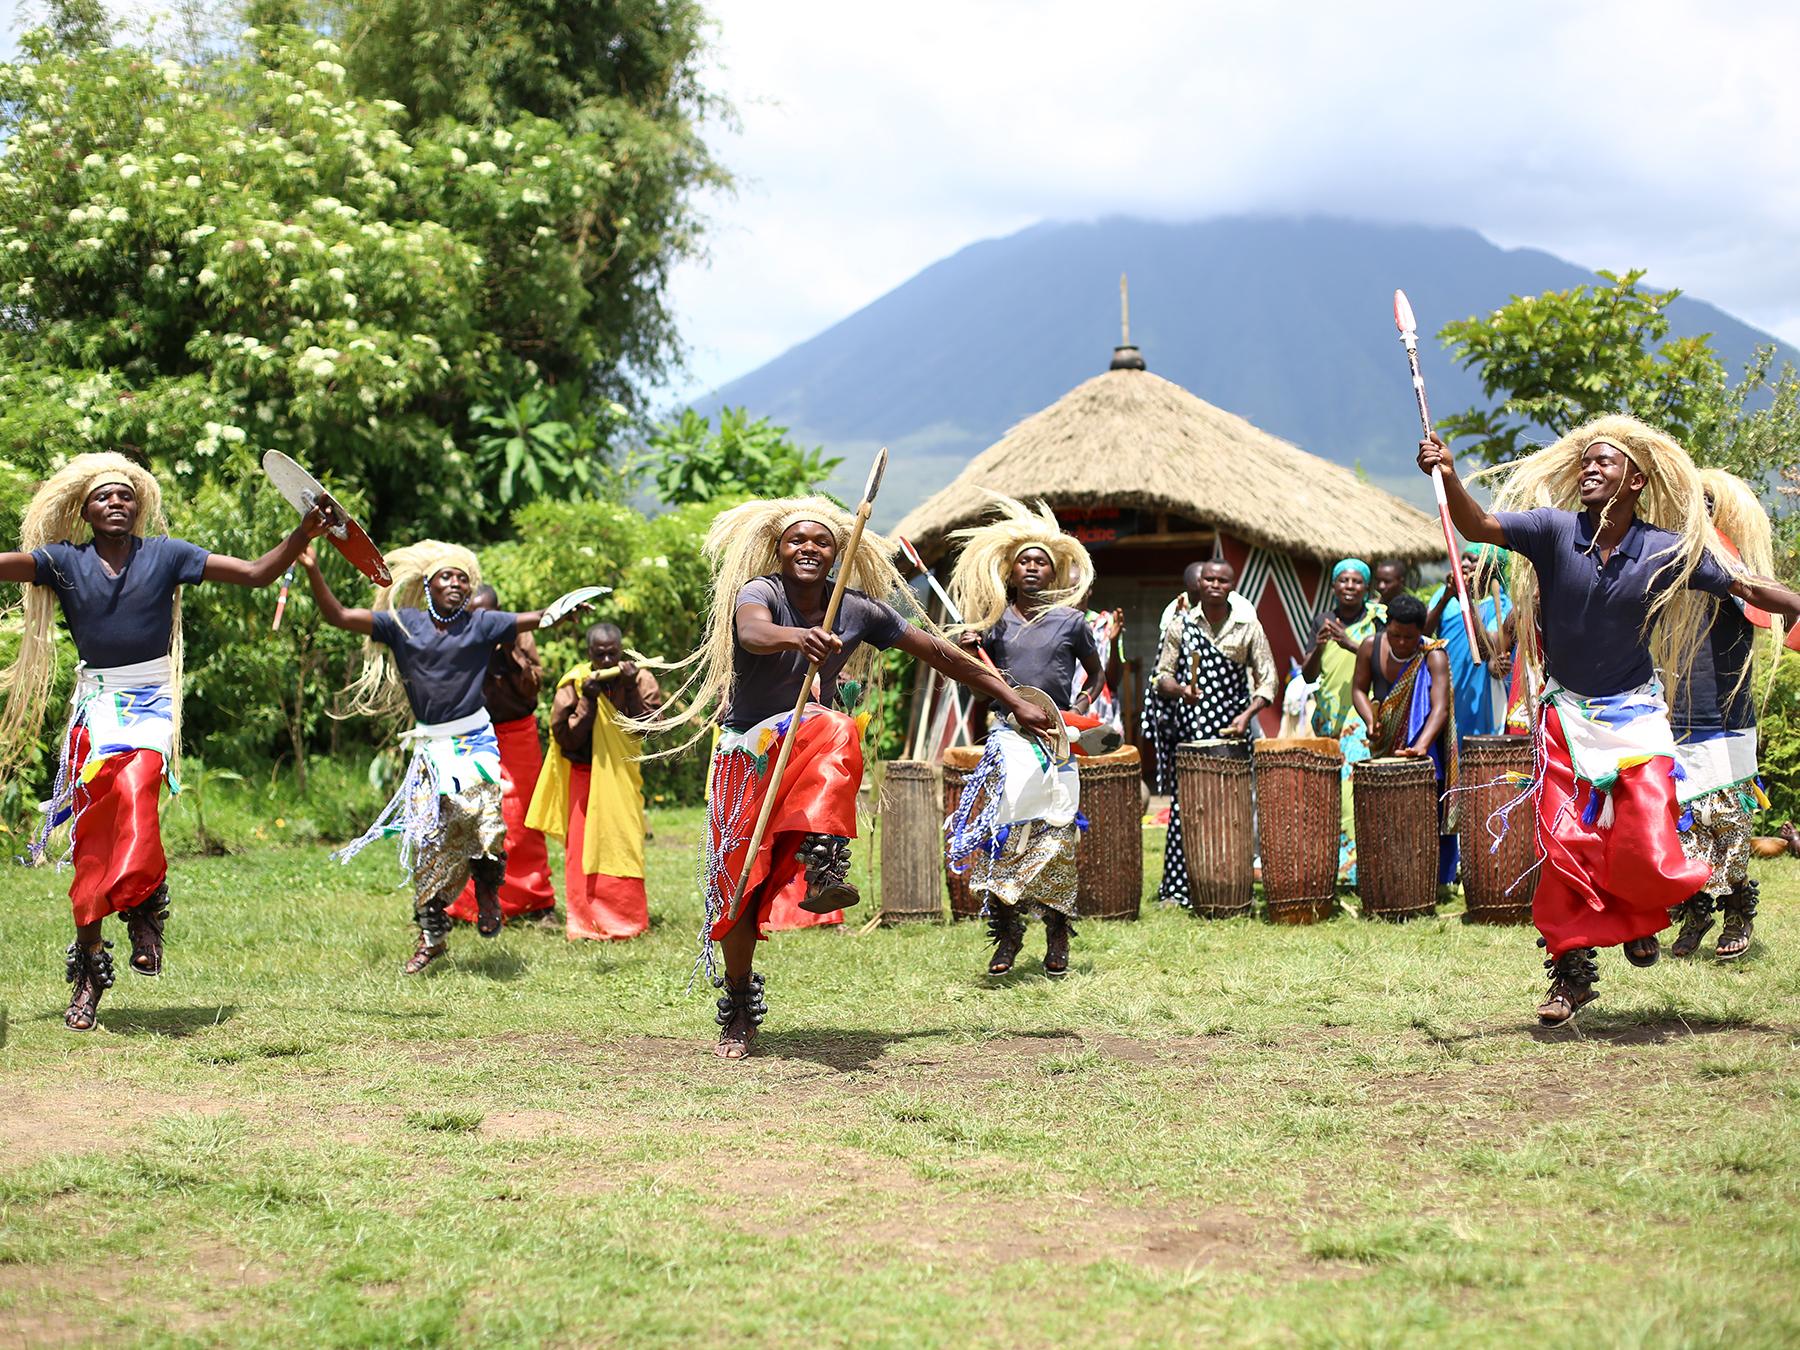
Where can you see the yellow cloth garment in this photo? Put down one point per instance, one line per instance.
(613, 842)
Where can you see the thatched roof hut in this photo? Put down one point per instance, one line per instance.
(1152, 478)
(1132, 439)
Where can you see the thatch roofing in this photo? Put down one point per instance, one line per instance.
(1130, 438)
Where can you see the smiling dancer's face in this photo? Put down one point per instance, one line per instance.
(806, 551)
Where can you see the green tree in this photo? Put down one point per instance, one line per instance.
(1564, 357)
(200, 264)
(692, 463)
(624, 72)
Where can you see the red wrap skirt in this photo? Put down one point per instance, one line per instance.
(1605, 885)
(818, 796)
(118, 851)
(527, 887)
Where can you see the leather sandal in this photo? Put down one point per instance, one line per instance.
(144, 926)
(741, 1012)
(90, 972)
(1573, 976)
(1696, 919)
(1740, 915)
(1006, 930)
(487, 874)
(1057, 932)
(826, 858)
(434, 935)
(1643, 952)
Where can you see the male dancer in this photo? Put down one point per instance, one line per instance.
(772, 563)
(591, 795)
(1714, 720)
(433, 660)
(120, 591)
(515, 675)
(1217, 668)
(1012, 583)
(1611, 596)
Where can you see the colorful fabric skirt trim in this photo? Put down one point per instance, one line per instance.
(817, 796)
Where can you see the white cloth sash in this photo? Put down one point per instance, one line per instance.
(464, 752)
(125, 708)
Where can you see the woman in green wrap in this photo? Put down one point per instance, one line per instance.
(1338, 634)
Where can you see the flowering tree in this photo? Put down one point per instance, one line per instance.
(198, 264)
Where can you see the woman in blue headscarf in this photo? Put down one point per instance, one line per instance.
(1337, 635)
(1480, 684)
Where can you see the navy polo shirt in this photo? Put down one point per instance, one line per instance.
(1591, 614)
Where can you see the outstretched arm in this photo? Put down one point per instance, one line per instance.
(1756, 591)
(350, 620)
(19, 567)
(1475, 524)
(965, 669)
(236, 572)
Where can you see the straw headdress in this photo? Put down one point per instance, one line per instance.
(983, 574)
(742, 545)
(378, 691)
(53, 517)
(1738, 514)
(1679, 619)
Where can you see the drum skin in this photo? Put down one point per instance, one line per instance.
(1218, 823)
(1396, 804)
(1298, 797)
(1489, 872)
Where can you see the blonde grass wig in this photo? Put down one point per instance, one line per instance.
(53, 517)
(1679, 619)
(983, 574)
(378, 691)
(741, 545)
(1738, 514)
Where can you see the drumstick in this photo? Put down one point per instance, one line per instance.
(287, 580)
(863, 511)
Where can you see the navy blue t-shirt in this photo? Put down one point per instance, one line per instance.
(1044, 653)
(769, 684)
(443, 671)
(1716, 696)
(1593, 614)
(124, 619)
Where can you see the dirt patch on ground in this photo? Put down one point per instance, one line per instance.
(53, 1306)
(38, 1124)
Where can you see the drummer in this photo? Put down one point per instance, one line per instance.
(1216, 671)
(1402, 691)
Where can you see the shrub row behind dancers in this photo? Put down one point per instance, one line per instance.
(772, 563)
(1612, 596)
(119, 587)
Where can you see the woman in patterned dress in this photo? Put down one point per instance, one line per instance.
(1337, 638)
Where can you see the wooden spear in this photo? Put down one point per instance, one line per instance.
(863, 511)
(1403, 320)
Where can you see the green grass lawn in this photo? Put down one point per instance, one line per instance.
(1210, 1134)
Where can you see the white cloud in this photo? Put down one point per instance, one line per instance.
(880, 138)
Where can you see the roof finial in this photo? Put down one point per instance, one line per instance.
(1125, 356)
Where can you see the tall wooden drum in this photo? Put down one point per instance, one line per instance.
(912, 843)
(1218, 824)
(959, 763)
(1396, 805)
(1298, 802)
(1110, 857)
(1487, 876)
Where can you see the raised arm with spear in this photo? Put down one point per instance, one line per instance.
(1403, 320)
